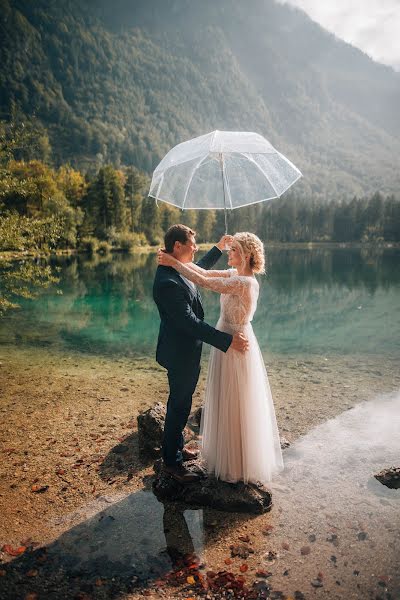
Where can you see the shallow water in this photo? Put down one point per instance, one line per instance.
(332, 524)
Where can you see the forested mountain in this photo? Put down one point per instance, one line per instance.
(121, 82)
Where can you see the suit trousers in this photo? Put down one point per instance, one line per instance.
(182, 383)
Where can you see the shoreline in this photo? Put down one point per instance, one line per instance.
(7, 255)
(65, 416)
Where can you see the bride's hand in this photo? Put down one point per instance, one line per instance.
(225, 242)
(165, 259)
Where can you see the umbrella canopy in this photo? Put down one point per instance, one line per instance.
(222, 169)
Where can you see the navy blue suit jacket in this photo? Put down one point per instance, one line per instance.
(182, 328)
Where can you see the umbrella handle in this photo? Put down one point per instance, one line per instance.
(221, 160)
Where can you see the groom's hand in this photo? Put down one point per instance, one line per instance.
(239, 343)
(224, 242)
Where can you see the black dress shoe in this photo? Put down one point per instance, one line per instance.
(181, 474)
(189, 454)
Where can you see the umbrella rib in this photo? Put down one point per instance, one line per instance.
(197, 165)
(249, 157)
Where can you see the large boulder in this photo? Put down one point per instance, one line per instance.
(211, 492)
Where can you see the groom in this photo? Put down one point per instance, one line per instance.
(182, 332)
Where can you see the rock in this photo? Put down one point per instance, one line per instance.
(195, 418)
(150, 429)
(389, 477)
(211, 492)
(284, 442)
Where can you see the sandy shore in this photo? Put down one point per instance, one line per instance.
(63, 420)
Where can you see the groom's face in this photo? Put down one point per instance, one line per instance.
(185, 252)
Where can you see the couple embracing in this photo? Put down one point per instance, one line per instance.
(239, 434)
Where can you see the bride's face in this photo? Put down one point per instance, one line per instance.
(234, 255)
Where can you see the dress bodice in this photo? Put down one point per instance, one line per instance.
(239, 308)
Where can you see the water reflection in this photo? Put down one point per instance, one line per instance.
(116, 547)
(319, 301)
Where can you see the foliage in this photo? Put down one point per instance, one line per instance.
(89, 245)
(23, 280)
(127, 241)
(22, 233)
(103, 247)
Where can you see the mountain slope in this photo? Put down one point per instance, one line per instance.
(123, 83)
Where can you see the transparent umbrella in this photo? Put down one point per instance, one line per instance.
(222, 170)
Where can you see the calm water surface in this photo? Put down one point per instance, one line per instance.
(311, 302)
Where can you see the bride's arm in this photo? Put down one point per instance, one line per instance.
(223, 285)
(211, 273)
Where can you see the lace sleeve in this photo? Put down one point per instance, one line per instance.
(213, 272)
(223, 285)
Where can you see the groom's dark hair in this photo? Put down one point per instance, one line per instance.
(177, 233)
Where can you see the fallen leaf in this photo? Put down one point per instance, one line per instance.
(32, 573)
(13, 551)
(39, 489)
(243, 568)
(262, 573)
(191, 580)
(228, 561)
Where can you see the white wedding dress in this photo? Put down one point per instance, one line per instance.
(240, 439)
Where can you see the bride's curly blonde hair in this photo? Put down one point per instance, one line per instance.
(251, 244)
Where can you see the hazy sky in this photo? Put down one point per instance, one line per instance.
(371, 25)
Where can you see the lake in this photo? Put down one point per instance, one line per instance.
(312, 302)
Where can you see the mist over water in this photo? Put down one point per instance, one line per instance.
(346, 451)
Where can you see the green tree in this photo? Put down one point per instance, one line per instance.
(25, 278)
(104, 204)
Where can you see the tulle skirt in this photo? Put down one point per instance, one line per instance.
(240, 438)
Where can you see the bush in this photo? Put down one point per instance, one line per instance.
(103, 247)
(128, 241)
(89, 245)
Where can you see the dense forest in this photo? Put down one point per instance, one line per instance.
(110, 208)
(45, 208)
(121, 83)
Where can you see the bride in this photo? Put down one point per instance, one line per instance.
(240, 439)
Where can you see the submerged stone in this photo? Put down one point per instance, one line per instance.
(389, 477)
